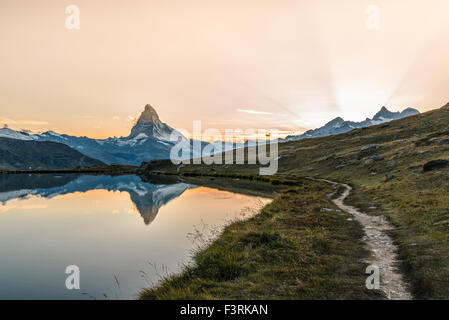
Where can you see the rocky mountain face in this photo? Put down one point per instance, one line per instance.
(29, 154)
(338, 125)
(384, 115)
(149, 139)
(150, 125)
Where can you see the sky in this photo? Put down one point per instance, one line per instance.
(278, 64)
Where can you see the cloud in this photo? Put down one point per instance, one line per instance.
(34, 122)
(25, 122)
(8, 121)
(254, 112)
(5, 208)
(132, 119)
(34, 206)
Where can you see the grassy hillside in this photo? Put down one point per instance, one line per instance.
(417, 202)
(384, 164)
(292, 250)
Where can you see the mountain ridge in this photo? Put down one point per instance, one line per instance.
(149, 139)
(150, 125)
(339, 125)
(30, 154)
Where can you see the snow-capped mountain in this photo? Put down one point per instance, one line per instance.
(12, 134)
(149, 125)
(338, 125)
(149, 139)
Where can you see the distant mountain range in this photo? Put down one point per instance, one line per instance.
(149, 139)
(29, 154)
(338, 125)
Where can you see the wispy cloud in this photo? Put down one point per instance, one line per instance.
(132, 119)
(254, 111)
(8, 121)
(5, 208)
(34, 122)
(26, 122)
(34, 206)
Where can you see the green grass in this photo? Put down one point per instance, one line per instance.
(291, 250)
(417, 203)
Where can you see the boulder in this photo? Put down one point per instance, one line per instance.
(435, 164)
(369, 147)
(375, 157)
(388, 176)
(391, 162)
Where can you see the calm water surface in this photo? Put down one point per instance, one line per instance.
(122, 233)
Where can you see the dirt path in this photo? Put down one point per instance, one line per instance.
(383, 251)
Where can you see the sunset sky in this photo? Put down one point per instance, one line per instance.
(290, 65)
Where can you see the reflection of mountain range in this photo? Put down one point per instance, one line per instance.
(148, 198)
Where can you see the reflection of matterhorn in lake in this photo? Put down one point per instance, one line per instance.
(148, 198)
(148, 204)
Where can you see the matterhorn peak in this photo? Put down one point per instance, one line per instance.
(150, 125)
(149, 114)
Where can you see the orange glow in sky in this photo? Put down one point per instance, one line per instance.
(290, 65)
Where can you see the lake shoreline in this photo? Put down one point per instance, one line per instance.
(111, 169)
(157, 226)
(287, 251)
(262, 237)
